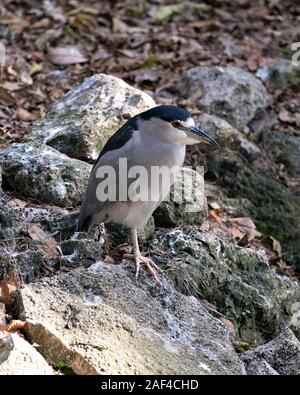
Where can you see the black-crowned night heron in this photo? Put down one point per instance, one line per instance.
(154, 138)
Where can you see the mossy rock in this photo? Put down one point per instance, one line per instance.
(284, 148)
(119, 234)
(10, 227)
(237, 280)
(28, 264)
(40, 172)
(276, 210)
(82, 252)
(280, 75)
(189, 207)
(171, 214)
(229, 92)
(62, 227)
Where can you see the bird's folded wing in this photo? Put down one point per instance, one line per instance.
(119, 146)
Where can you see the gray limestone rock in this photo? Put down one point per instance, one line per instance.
(238, 281)
(40, 172)
(228, 92)
(18, 357)
(279, 75)
(228, 136)
(100, 320)
(83, 120)
(282, 355)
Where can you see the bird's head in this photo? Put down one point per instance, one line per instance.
(174, 123)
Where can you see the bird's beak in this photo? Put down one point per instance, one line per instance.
(200, 135)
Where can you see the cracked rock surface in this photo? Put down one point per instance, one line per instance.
(99, 320)
(18, 357)
(82, 121)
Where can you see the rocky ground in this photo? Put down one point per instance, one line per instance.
(78, 301)
(229, 302)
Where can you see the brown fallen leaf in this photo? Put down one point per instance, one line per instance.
(49, 245)
(14, 326)
(215, 215)
(41, 24)
(276, 246)
(17, 25)
(6, 96)
(100, 54)
(9, 286)
(17, 203)
(284, 115)
(229, 325)
(11, 86)
(109, 259)
(215, 205)
(124, 249)
(66, 55)
(55, 12)
(11, 71)
(288, 117)
(5, 292)
(146, 75)
(236, 233)
(24, 115)
(14, 279)
(35, 68)
(243, 226)
(119, 26)
(253, 62)
(83, 21)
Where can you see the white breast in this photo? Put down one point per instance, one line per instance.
(144, 149)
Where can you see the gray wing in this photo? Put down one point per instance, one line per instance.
(90, 205)
(119, 145)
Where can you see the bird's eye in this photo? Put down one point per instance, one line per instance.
(176, 124)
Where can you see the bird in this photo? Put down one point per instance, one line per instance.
(156, 137)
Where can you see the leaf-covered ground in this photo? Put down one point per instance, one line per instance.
(53, 45)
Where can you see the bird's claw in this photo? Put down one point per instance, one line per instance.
(150, 265)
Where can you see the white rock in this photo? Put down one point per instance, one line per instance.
(18, 357)
(228, 92)
(101, 320)
(82, 121)
(282, 355)
(37, 171)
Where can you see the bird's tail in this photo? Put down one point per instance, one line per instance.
(84, 226)
(84, 220)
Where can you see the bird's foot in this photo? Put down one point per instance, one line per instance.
(150, 265)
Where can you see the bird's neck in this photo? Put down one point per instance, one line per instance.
(160, 132)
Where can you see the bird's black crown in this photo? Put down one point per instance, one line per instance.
(167, 113)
